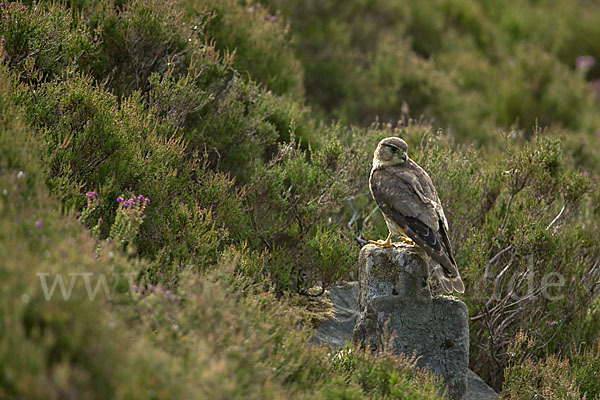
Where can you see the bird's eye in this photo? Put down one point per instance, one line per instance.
(394, 149)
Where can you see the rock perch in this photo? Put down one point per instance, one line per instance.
(394, 290)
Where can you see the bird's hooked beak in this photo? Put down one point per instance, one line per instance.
(404, 157)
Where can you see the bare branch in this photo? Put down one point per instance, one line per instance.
(493, 260)
(562, 210)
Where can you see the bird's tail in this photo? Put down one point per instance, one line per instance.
(448, 283)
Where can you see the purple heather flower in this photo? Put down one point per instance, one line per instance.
(38, 224)
(3, 40)
(147, 202)
(90, 124)
(141, 197)
(595, 340)
(120, 199)
(552, 323)
(585, 62)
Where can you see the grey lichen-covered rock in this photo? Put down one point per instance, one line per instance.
(337, 330)
(394, 298)
(477, 389)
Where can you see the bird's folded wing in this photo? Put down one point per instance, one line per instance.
(402, 192)
(416, 214)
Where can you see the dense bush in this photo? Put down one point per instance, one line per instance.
(213, 335)
(169, 146)
(41, 45)
(136, 39)
(294, 204)
(470, 65)
(258, 41)
(553, 377)
(87, 148)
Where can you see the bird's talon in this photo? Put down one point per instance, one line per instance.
(407, 241)
(382, 243)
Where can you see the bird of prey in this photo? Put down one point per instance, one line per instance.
(411, 208)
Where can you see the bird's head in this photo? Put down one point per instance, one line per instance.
(390, 151)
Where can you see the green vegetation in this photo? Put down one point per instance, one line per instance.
(210, 158)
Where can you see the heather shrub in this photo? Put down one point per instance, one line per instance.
(179, 100)
(167, 152)
(55, 340)
(535, 86)
(584, 361)
(86, 149)
(39, 42)
(237, 111)
(211, 98)
(367, 69)
(396, 83)
(129, 218)
(558, 27)
(384, 378)
(257, 40)
(469, 66)
(330, 38)
(138, 38)
(554, 377)
(294, 205)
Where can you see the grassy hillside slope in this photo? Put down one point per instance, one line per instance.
(104, 332)
(211, 158)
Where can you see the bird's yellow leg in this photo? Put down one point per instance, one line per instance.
(407, 240)
(383, 243)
